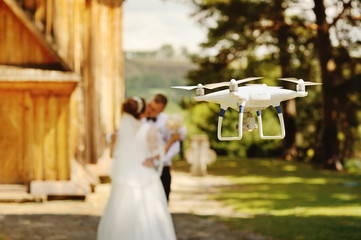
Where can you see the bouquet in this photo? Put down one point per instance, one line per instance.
(174, 122)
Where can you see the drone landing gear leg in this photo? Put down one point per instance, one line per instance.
(280, 117)
(240, 120)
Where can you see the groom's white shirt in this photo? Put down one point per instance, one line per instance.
(166, 134)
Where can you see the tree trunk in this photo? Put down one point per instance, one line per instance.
(330, 143)
(289, 111)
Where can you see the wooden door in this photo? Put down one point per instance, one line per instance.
(11, 137)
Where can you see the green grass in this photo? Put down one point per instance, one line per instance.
(290, 200)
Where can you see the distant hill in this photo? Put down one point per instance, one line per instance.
(145, 77)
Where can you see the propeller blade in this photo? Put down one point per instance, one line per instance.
(185, 87)
(297, 81)
(247, 79)
(312, 83)
(226, 84)
(216, 85)
(294, 80)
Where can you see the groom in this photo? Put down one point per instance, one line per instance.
(154, 115)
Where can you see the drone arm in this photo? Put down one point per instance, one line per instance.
(240, 120)
(280, 117)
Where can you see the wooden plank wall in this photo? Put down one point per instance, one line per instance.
(107, 62)
(48, 130)
(31, 50)
(34, 133)
(88, 35)
(11, 141)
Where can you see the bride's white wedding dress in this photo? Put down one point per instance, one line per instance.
(137, 207)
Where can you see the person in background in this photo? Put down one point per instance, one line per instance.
(137, 207)
(154, 114)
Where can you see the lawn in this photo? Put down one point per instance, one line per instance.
(291, 200)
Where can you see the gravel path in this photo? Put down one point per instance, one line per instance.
(78, 220)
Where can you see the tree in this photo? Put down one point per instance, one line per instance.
(289, 113)
(237, 29)
(331, 77)
(240, 28)
(166, 51)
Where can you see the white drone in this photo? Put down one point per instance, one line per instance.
(248, 99)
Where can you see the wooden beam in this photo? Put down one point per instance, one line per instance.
(37, 80)
(12, 73)
(40, 106)
(50, 146)
(49, 17)
(29, 137)
(111, 3)
(63, 163)
(13, 5)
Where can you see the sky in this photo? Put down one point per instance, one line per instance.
(149, 24)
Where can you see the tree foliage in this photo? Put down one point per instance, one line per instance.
(284, 37)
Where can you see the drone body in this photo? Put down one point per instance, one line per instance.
(256, 96)
(247, 100)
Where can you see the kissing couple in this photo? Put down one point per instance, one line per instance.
(137, 208)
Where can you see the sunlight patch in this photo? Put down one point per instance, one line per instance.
(344, 196)
(351, 211)
(289, 168)
(279, 180)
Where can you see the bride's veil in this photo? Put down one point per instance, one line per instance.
(126, 150)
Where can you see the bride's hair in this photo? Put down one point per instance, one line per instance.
(134, 106)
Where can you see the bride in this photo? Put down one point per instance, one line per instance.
(137, 208)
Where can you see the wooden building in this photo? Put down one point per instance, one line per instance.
(61, 87)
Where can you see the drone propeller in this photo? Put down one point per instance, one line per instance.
(226, 84)
(299, 81)
(217, 85)
(301, 85)
(199, 86)
(185, 87)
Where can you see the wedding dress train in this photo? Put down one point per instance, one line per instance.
(137, 207)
